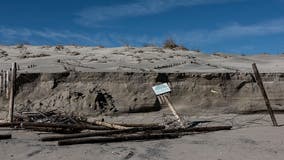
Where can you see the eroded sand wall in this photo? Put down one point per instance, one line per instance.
(192, 93)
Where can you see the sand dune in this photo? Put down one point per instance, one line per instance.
(205, 87)
(46, 59)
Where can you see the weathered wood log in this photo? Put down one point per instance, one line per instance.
(5, 136)
(138, 124)
(54, 130)
(64, 126)
(110, 125)
(198, 129)
(105, 133)
(52, 125)
(122, 138)
(9, 124)
(264, 94)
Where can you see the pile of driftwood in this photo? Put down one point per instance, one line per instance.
(76, 131)
(132, 133)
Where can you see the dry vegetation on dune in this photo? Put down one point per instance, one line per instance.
(171, 44)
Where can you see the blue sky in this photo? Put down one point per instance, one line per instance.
(234, 26)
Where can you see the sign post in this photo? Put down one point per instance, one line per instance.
(162, 92)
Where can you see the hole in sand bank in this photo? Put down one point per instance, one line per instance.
(162, 77)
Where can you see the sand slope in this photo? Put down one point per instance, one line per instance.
(147, 59)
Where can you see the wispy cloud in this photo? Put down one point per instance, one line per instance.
(30, 35)
(232, 31)
(97, 14)
(194, 39)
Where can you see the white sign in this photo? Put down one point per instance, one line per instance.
(161, 89)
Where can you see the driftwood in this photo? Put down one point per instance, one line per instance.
(54, 130)
(9, 124)
(198, 129)
(52, 127)
(89, 126)
(64, 126)
(143, 136)
(48, 117)
(181, 131)
(5, 136)
(109, 125)
(137, 124)
(44, 127)
(104, 133)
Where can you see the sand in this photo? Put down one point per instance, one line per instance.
(205, 91)
(252, 138)
(46, 59)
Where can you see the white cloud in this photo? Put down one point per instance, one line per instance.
(193, 38)
(24, 34)
(232, 31)
(97, 14)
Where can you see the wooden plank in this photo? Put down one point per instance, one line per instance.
(63, 126)
(52, 125)
(198, 129)
(110, 125)
(173, 111)
(264, 94)
(162, 99)
(12, 91)
(54, 130)
(138, 124)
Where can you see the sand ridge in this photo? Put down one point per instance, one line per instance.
(46, 59)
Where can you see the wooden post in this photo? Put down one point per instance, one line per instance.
(4, 82)
(263, 92)
(7, 83)
(162, 92)
(170, 104)
(1, 84)
(12, 90)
